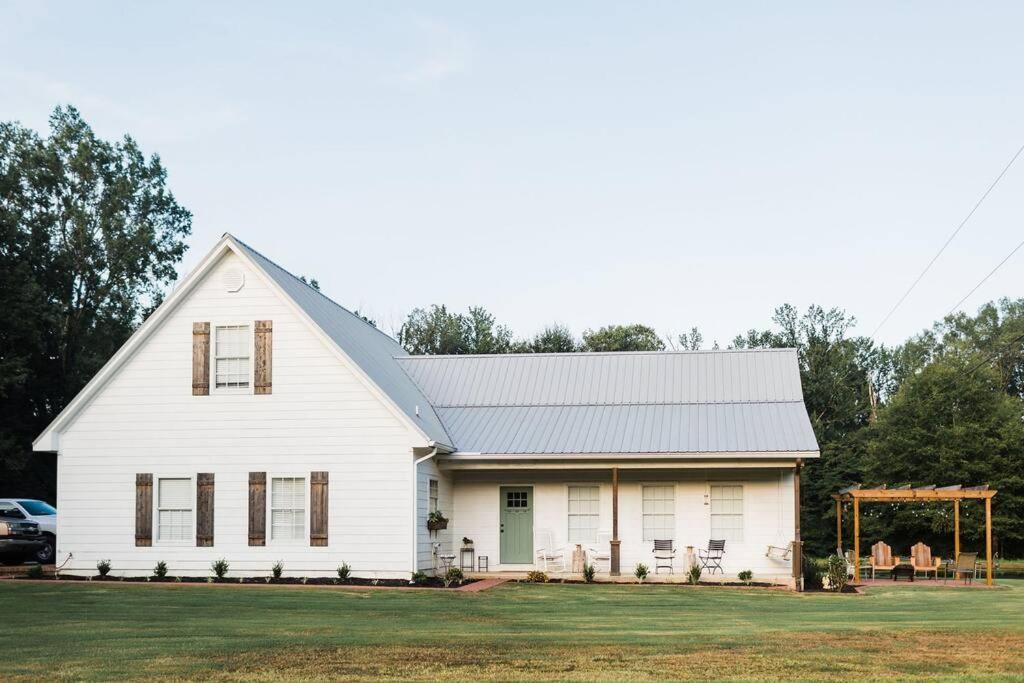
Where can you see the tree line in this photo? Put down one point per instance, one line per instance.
(90, 237)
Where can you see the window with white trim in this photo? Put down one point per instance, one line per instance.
(174, 509)
(432, 496)
(584, 513)
(231, 357)
(659, 512)
(288, 508)
(727, 512)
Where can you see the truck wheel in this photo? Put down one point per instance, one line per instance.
(45, 554)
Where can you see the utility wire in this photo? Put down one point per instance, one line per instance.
(946, 244)
(984, 279)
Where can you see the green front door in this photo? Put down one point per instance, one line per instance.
(516, 524)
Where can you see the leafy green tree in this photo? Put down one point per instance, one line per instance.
(552, 339)
(89, 240)
(691, 341)
(622, 338)
(435, 330)
(837, 373)
(948, 425)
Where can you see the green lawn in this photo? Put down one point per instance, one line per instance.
(514, 632)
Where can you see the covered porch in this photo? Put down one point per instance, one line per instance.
(551, 516)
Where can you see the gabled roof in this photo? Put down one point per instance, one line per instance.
(745, 401)
(373, 351)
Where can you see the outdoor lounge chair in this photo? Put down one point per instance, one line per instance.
(711, 559)
(664, 553)
(882, 559)
(547, 552)
(922, 560)
(965, 563)
(601, 551)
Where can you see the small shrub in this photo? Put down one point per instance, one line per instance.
(835, 577)
(160, 570)
(640, 572)
(693, 575)
(35, 571)
(812, 572)
(103, 567)
(537, 577)
(277, 569)
(220, 568)
(746, 576)
(588, 573)
(344, 572)
(453, 575)
(419, 578)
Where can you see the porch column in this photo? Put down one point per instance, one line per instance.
(798, 563)
(614, 570)
(988, 541)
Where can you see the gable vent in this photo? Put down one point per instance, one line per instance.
(233, 279)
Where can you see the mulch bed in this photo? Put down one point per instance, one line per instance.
(255, 581)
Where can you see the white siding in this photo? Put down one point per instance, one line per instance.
(767, 515)
(425, 560)
(320, 416)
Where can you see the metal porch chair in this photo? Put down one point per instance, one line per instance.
(711, 559)
(664, 553)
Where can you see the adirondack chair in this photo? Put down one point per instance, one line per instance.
(922, 560)
(882, 559)
(965, 566)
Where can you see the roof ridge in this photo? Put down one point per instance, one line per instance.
(606, 404)
(585, 354)
(314, 289)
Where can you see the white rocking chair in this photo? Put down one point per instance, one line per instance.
(546, 551)
(602, 551)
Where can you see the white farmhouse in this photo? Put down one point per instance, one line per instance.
(251, 418)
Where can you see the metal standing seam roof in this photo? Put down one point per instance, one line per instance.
(742, 401)
(374, 351)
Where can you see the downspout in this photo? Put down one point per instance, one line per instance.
(415, 495)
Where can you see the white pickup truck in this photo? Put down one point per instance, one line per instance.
(44, 514)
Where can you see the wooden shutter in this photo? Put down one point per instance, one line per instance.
(200, 359)
(143, 509)
(204, 509)
(257, 508)
(264, 356)
(318, 508)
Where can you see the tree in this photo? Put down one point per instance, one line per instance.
(622, 338)
(692, 340)
(437, 331)
(947, 425)
(836, 373)
(552, 339)
(89, 240)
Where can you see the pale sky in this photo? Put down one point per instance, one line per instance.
(674, 164)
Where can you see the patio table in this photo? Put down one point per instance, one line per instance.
(903, 569)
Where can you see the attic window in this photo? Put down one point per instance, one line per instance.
(231, 361)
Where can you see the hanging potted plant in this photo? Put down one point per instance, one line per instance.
(437, 521)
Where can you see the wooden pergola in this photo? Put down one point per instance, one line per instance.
(903, 494)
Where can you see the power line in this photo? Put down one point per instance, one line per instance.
(984, 279)
(946, 244)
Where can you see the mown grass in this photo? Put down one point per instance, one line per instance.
(515, 632)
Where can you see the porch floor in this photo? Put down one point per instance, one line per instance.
(627, 577)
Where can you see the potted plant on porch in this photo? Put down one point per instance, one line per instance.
(436, 521)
